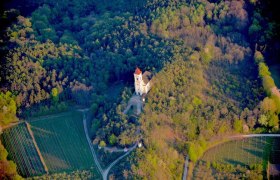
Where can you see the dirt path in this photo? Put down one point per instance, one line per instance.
(91, 147)
(186, 168)
(11, 125)
(107, 170)
(113, 149)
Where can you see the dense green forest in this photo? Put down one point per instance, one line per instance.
(209, 59)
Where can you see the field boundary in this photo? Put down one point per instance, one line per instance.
(36, 147)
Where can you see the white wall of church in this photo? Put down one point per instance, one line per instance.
(140, 86)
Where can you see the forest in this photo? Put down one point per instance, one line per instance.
(210, 59)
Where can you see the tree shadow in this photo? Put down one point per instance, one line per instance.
(234, 162)
(257, 153)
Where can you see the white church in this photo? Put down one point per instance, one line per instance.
(142, 82)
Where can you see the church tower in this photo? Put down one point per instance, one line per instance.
(138, 82)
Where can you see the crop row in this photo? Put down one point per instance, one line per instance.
(22, 151)
(62, 143)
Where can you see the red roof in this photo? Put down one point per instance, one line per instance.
(137, 71)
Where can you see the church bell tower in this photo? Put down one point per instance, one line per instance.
(138, 82)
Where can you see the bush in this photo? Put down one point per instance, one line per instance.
(238, 125)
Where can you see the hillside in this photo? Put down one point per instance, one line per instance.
(211, 61)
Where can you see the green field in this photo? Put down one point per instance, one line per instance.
(18, 143)
(243, 152)
(231, 160)
(62, 142)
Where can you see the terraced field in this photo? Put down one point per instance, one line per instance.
(62, 142)
(22, 151)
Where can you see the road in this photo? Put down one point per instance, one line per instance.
(256, 135)
(185, 174)
(103, 172)
(106, 171)
(135, 100)
(186, 168)
(115, 149)
(91, 147)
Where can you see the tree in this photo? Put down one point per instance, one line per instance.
(238, 125)
(113, 139)
(273, 121)
(102, 144)
(8, 108)
(268, 83)
(258, 57)
(254, 29)
(54, 95)
(194, 151)
(263, 120)
(8, 169)
(263, 70)
(268, 106)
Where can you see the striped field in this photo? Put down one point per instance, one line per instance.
(61, 141)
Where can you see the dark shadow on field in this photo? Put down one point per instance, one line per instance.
(55, 162)
(258, 142)
(257, 153)
(234, 162)
(42, 132)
